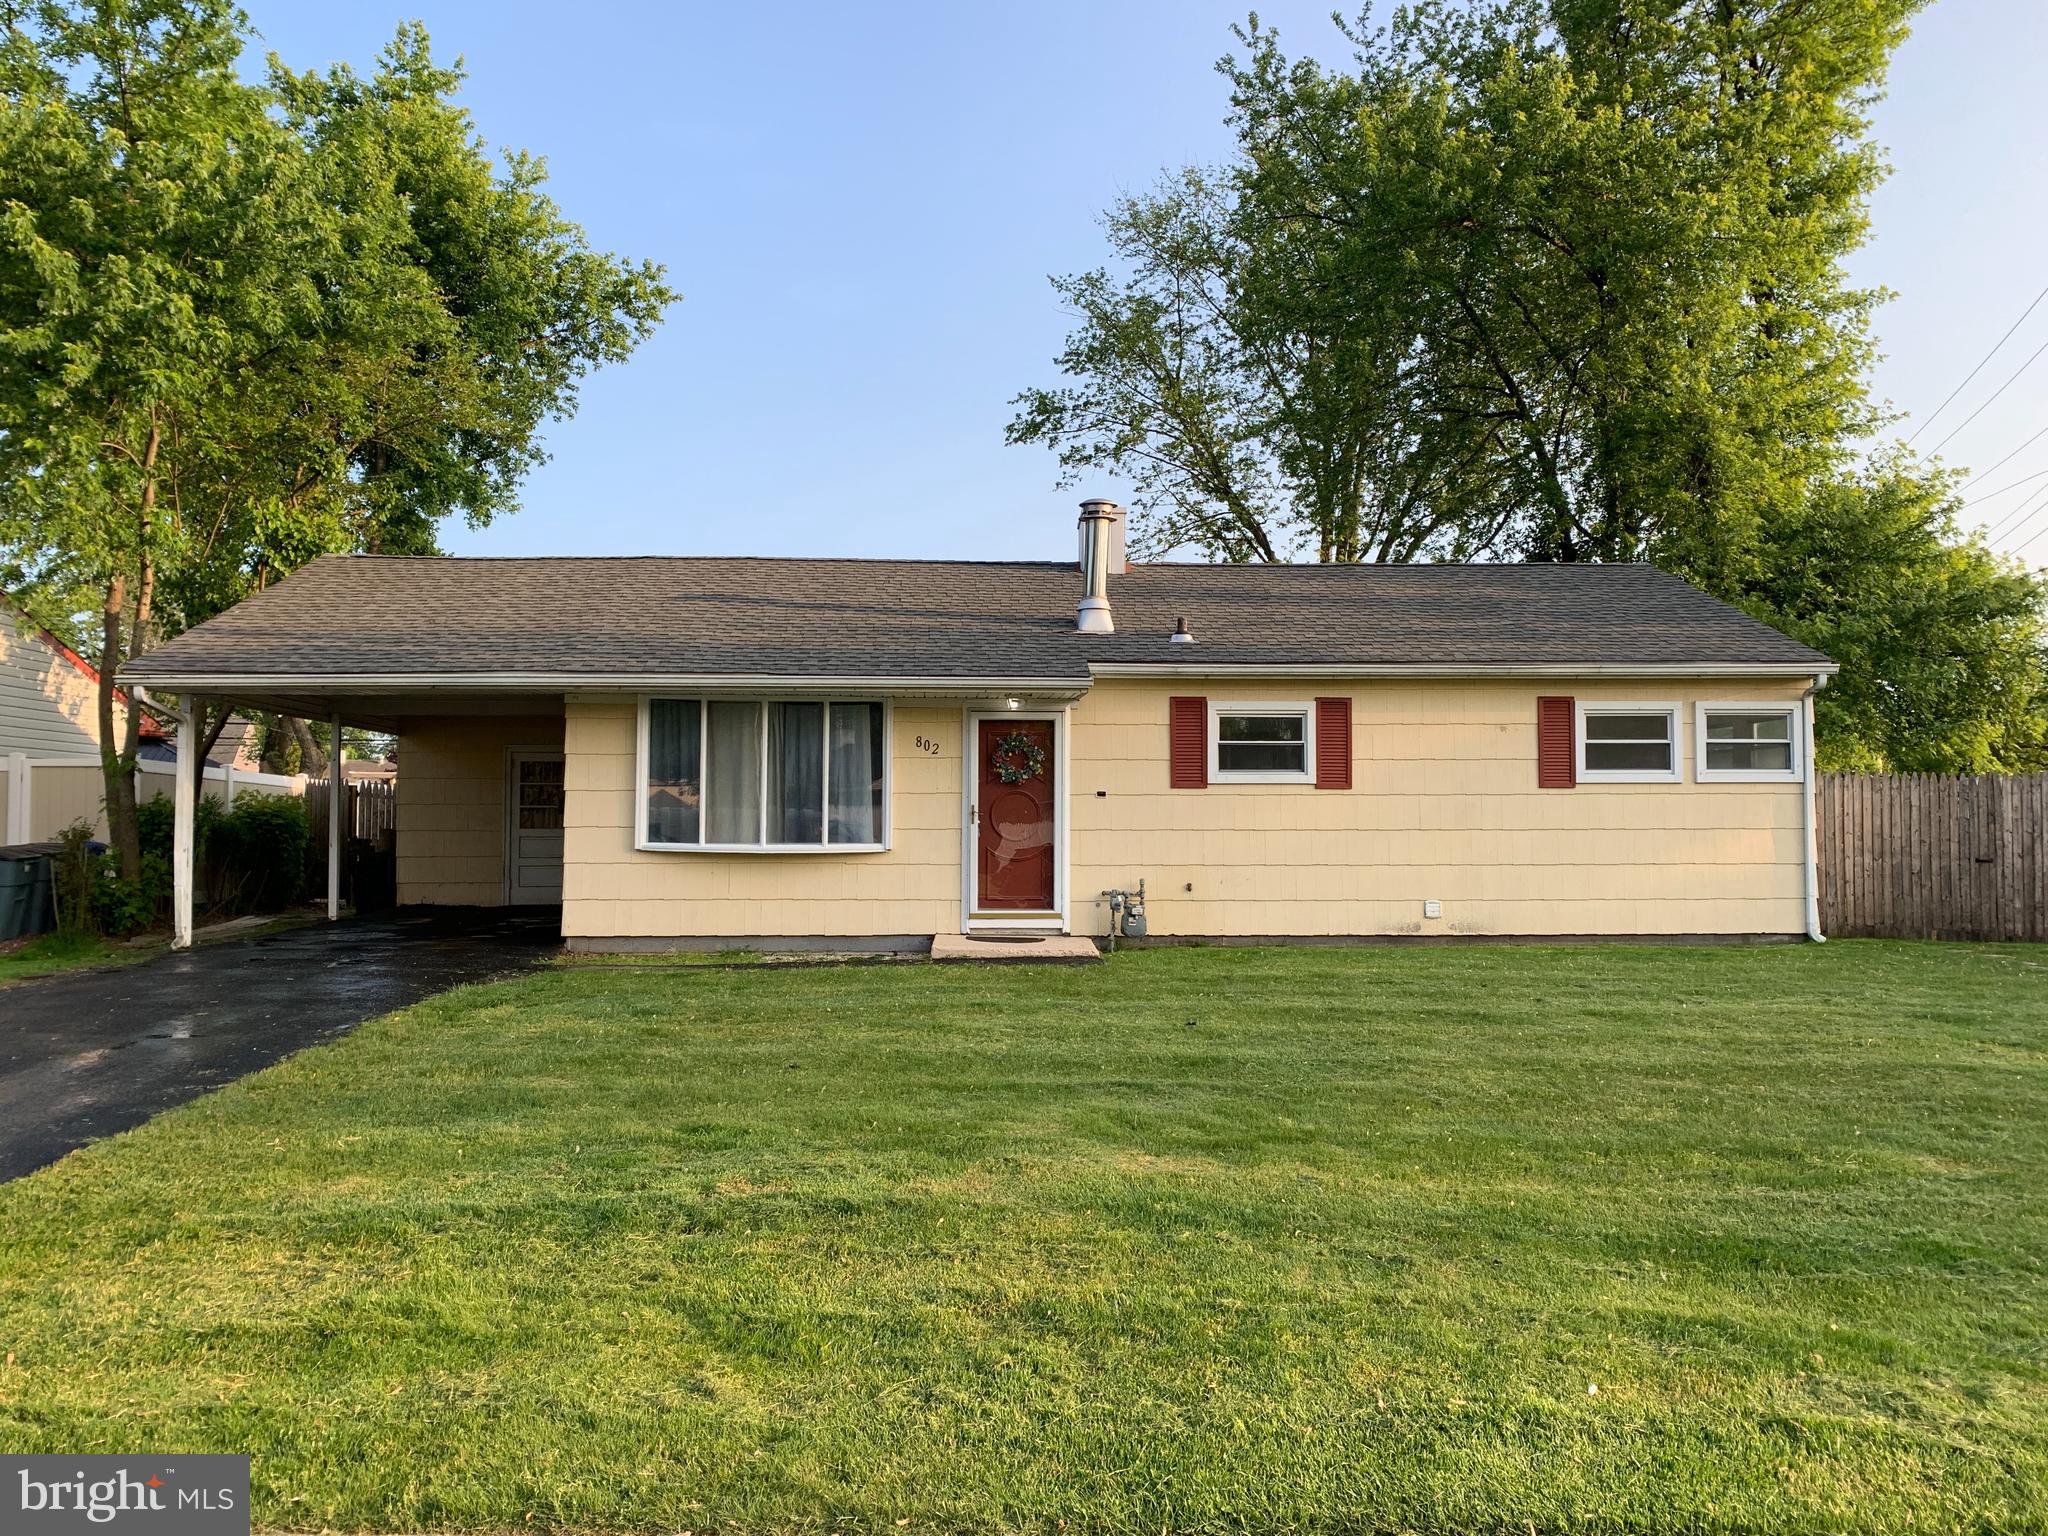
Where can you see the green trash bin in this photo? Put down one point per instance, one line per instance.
(25, 883)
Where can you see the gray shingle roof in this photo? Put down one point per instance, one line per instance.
(603, 617)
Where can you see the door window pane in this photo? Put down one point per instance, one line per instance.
(857, 744)
(674, 770)
(733, 776)
(796, 773)
(540, 794)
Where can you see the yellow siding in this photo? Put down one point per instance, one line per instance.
(451, 805)
(1444, 806)
(612, 890)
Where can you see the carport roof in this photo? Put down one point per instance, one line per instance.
(609, 621)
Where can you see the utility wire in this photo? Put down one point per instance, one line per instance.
(2011, 485)
(2039, 534)
(2023, 447)
(2008, 384)
(2043, 294)
(2018, 514)
(2028, 510)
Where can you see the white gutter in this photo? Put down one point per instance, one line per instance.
(1474, 669)
(1811, 822)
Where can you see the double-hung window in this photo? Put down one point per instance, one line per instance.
(763, 775)
(1747, 743)
(1262, 743)
(1628, 743)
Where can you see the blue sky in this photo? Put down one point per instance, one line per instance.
(861, 206)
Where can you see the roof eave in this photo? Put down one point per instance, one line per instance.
(1139, 669)
(576, 682)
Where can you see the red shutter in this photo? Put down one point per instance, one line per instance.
(1333, 743)
(1556, 766)
(1188, 729)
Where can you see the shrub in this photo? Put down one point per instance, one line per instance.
(157, 820)
(94, 897)
(123, 906)
(251, 858)
(256, 854)
(75, 874)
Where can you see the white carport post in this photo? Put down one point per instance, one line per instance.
(337, 795)
(184, 796)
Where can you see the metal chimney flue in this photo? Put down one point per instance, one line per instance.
(1102, 551)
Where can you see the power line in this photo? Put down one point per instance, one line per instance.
(2022, 511)
(2009, 486)
(2023, 447)
(2008, 384)
(2043, 294)
(2039, 534)
(2026, 513)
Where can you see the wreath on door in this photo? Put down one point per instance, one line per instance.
(1017, 759)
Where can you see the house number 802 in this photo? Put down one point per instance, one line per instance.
(927, 746)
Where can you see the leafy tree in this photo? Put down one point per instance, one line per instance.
(1555, 280)
(1550, 277)
(248, 324)
(1943, 646)
(134, 166)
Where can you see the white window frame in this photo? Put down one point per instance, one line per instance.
(1303, 707)
(1794, 718)
(1675, 774)
(645, 845)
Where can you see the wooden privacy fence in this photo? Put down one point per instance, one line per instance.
(371, 813)
(369, 820)
(1931, 856)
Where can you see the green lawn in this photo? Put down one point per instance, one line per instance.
(1216, 1240)
(49, 953)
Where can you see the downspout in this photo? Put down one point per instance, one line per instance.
(1812, 827)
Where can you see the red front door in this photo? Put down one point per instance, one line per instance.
(1014, 840)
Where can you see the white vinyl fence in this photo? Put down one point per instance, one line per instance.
(41, 796)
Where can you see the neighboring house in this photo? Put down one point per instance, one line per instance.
(49, 694)
(721, 751)
(50, 773)
(49, 731)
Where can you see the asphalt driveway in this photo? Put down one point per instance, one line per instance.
(88, 1054)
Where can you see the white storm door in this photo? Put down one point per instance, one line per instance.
(533, 840)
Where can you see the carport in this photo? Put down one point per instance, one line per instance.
(416, 709)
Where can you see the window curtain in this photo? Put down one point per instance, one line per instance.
(796, 773)
(733, 789)
(673, 757)
(857, 746)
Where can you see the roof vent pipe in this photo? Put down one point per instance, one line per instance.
(1102, 550)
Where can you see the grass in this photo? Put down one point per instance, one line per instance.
(1207, 1240)
(51, 953)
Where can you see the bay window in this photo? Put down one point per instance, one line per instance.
(763, 775)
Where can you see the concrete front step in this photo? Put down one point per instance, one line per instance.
(1016, 949)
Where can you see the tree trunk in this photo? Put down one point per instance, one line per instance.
(117, 764)
(312, 761)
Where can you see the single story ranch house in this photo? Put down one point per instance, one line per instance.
(691, 753)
